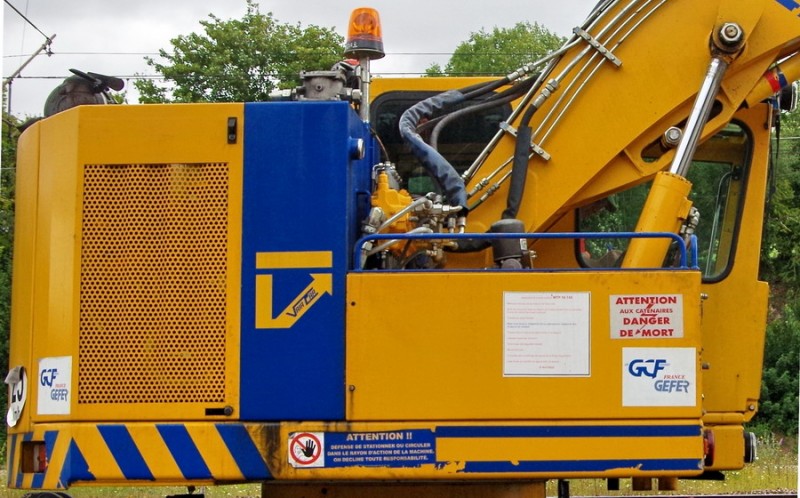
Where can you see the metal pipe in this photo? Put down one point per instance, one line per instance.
(698, 117)
(402, 212)
(470, 172)
(7, 82)
(366, 77)
(485, 181)
(568, 92)
(684, 261)
(553, 58)
(389, 243)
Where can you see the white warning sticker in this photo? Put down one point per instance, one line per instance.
(546, 334)
(17, 380)
(646, 316)
(306, 449)
(54, 384)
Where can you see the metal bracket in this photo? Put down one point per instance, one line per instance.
(598, 46)
(534, 147)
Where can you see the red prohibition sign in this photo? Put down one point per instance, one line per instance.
(305, 448)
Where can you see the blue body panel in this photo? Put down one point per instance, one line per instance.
(302, 191)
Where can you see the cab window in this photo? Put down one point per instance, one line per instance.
(718, 176)
(460, 141)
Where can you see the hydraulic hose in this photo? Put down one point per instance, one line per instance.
(516, 90)
(489, 87)
(444, 173)
(449, 118)
(501, 98)
(519, 170)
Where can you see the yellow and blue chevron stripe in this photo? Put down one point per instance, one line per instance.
(160, 453)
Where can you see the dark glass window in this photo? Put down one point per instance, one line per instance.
(460, 142)
(717, 174)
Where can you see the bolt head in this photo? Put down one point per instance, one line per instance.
(672, 136)
(731, 34)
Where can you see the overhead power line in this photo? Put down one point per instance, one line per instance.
(161, 77)
(409, 54)
(88, 53)
(26, 19)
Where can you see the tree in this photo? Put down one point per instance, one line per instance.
(7, 179)
(239, 60)
(780, 265)
(500, 51)
(780, 260)
(779, 387)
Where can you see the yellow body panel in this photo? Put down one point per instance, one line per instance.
(100, 144)
(22, 318)
(729, 441)
(452, 363)
(735, 313)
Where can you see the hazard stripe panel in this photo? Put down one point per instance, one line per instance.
(184, 451)
(204, 453)
(157, 453)
(123, 448)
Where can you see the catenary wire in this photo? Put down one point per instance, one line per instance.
(26, 19)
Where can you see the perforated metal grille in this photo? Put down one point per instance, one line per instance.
(153, 283)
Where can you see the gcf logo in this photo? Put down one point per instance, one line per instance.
(305, 449)
(47, 376)
(649, 368)
(659, 376)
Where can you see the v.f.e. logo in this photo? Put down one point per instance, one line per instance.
(321, 284)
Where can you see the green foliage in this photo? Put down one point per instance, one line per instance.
(7, 183)
(780, 262)
(779, 387)
(500, 51)
(780, 265)
(239, 60)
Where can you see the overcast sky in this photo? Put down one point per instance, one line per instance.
(90, 32)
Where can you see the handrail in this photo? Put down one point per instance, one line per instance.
(684, 258)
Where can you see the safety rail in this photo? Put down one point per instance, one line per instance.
(688, 259)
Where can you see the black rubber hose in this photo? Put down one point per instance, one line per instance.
(449, 118)
(519, 169)
(501, 98)
(516, 90)
(490, 87)
(519, 172)
(476, 86)
(470, 245)
(444, 173)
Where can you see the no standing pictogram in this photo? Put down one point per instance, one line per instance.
(305, 449)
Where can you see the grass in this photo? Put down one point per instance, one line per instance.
(775, 471)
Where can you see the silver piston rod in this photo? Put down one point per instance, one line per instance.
(728, 41)
(698, 117)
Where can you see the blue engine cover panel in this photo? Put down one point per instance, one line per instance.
(302, 190)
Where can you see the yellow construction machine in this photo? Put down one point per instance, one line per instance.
(379, 287)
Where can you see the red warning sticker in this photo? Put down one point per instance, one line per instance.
(646, 316)
(306, 448)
